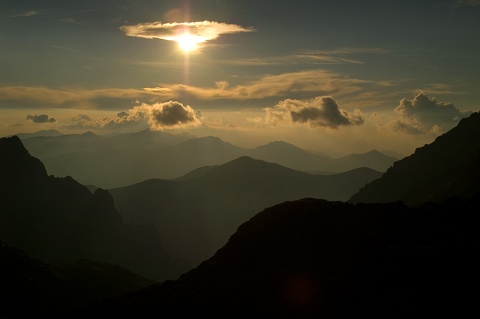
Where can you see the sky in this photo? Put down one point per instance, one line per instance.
(335, 77)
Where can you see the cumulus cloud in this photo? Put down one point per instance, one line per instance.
(201, 30)
(42, 118)
(170, 114)
(322, 111)
(424, 115)
(158, 116)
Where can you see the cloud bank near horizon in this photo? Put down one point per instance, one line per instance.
(279, 86)
(158, 116)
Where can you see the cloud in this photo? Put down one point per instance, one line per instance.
(158, 116)
(39, 97)
(166, 115)
(268, 86)
(42, 118)
(424, 115)
(26, 14)
(298, 85)
(201, 31)
(310, 57)
(122, 122)
(438, 88)
(322, 111)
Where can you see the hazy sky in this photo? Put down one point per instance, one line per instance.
(333, 76)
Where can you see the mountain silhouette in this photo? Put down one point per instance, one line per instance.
(447, 167)
(126, 159)
(196, 213)
(289, 155)
(320, 259)
(50, 132)
(58, 220)
(32, 289)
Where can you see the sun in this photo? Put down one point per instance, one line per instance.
(188, 42)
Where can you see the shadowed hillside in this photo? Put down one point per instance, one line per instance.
(58, 220)
(32, 289)
(318, 259)
(197, 213)
(449, 166)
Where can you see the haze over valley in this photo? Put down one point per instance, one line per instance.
(132, 158)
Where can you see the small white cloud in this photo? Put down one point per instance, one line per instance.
(322, 111)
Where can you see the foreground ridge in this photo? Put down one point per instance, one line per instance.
(312, 258)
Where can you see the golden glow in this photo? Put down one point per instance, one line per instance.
(188, 42)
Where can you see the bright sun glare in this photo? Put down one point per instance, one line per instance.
(188, 42)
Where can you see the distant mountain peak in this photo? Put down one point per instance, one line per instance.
(89, 133)
(210, 138)
(42, 133)
(279, 145)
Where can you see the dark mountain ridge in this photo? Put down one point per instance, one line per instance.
(447, 167)
(197, 213)
(58, 220)
(313, 258)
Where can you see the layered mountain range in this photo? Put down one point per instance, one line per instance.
(372, 257)
(313, 258)
(197, 213)
(127, 159)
